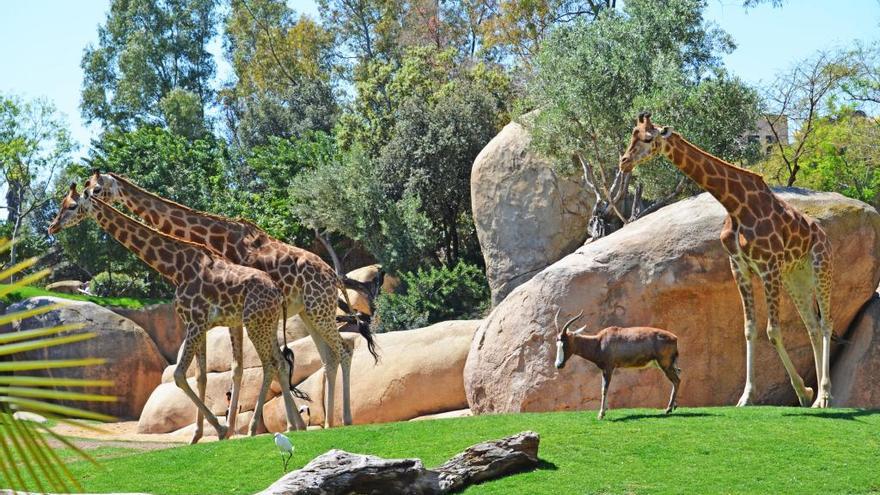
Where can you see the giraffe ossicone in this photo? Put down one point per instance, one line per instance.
(764, 236)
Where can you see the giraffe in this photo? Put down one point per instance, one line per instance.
(308, 283)
(210, 291)
(764, 236)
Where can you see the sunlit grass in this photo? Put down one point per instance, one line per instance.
(22, 293)
(693, 451)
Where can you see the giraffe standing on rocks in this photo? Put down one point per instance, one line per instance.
(211, 291)
(764, 236)
(308, 283)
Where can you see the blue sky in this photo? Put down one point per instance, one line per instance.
(41, 41)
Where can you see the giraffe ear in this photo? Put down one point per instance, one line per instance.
(666, 132)
(73, 186)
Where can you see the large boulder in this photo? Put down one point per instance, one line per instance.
(134, 363)
(527, 215)
(667, 270)
(162, 324)
(856, 370)
(419, 372)
(368, 274)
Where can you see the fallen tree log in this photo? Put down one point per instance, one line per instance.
(338, 472)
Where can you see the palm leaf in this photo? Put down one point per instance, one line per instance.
(27, 459)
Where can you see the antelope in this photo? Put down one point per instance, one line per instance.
(620, 347)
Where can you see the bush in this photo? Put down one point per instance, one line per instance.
(118, 285)
(433, 295)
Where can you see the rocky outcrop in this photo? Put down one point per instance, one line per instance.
(856, 372)
(134, 363)
(667, 270)
(527, 215)
(419, 372)
(160, 321)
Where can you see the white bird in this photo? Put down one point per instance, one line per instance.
(285, 448)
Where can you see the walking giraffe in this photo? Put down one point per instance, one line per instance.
(210, 292)
(308, 283)
(764, 236)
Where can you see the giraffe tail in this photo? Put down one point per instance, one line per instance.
(362, 321)
(289, 357)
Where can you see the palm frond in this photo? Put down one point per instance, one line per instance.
(27, 458)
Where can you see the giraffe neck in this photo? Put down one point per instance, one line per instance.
(728, 183)
(162, 253)
(226, 236)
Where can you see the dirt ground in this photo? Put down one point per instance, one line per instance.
(123, 434)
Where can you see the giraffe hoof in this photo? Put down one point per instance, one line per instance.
(807, 399)
(222, 432)
(745, 400)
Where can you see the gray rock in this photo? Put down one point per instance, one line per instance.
(527, 216)
(340, 472)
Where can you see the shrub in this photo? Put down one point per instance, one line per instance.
(118, 285)
(433, 295)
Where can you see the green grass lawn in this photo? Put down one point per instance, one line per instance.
(693, 451)
(119, 302)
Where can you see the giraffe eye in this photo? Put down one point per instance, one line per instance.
(74, 206)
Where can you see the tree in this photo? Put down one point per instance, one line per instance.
(518, 28)
(430, 154)
(796, 98)
(344, 195)
(841, 156)
(35, 147)
(366, 30)
(282, 70)
(147, 49)
(593, 78)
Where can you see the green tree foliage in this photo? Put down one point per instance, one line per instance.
(841, 157)
(146, 49)
(344, 195)
(431, 295)
(282, 70)
(263, 175)
(594, 77)
(35, 147)
(430, 156)
(368, 30)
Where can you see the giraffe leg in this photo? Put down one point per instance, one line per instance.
(202, 384)
(346, 385)
(743, 276)
(261, 398)
(821, 258)
(294, 420)
(332, 348)
(771, 292)
(799, 285)
(194, 335)
(236, 336)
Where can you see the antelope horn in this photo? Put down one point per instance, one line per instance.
(556, 319)
(569, 322)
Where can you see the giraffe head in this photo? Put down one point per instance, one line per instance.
(102, 186)
(74, 208)
(647, 141)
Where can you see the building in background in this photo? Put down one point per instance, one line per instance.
(764, 136)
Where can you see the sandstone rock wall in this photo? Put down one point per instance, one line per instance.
(668, 270)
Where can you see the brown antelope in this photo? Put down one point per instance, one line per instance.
(620, 347)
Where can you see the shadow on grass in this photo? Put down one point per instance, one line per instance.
(851, 415)
(546, 466)
(662, 415)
